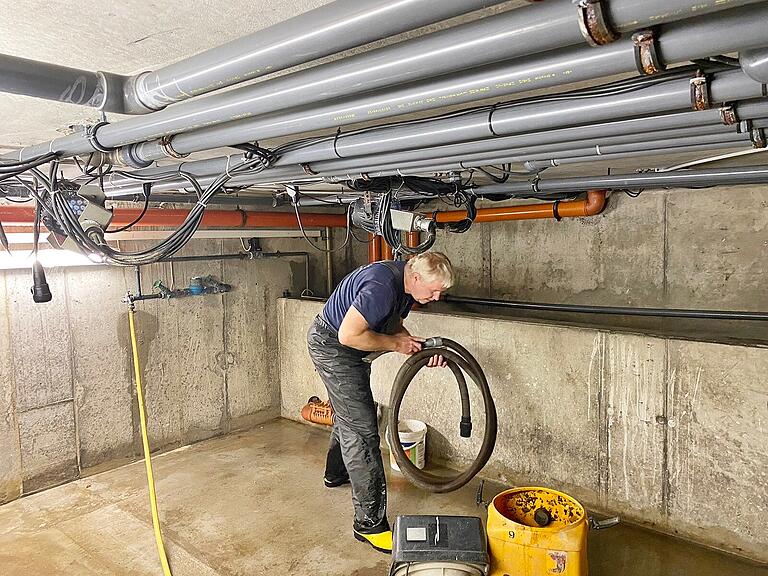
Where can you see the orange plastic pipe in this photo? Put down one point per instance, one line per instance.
(591, 205)
(374, 248)
(386, 251)
(211, 218)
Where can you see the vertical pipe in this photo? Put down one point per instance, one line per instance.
(328, 261)
(374, 248)
(412, 239)
(386, 251)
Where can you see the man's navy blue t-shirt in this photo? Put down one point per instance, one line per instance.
(375, 291)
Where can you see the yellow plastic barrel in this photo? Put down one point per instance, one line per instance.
(535, 532)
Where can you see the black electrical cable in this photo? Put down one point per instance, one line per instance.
(93, 242)
(613, 88)
(147, 189)
(4, 240)
(498, 179)
(458, 358)
(304, 234)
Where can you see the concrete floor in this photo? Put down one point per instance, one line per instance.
(253, 503)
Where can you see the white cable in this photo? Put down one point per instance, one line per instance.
(713, 159)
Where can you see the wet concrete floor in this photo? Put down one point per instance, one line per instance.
(253, 503)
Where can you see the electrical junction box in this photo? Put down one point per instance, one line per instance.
(439, 546)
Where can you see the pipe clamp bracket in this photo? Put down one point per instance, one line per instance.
(647, 53)
(594, 24)
(757, 135)
(165, 144)
(700, 93)
(728, 115)
(90, 135)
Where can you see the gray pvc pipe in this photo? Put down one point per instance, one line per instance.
(332, 28)
(755, 63)
(50, 81)
(492, 39)
(682, 178)
(571, 156)
(697, 123)
(550, 69)
(705, 121)
(533, 117)
(695, 38)
(508, 147)
(644, 147)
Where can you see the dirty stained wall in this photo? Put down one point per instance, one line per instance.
(677, 249)
(668, 433)
(67, 399)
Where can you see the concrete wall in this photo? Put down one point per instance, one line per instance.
(678, 248)
(67, 397)
(668, 433)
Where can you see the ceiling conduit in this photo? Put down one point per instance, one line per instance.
(326, 30)
(692, 38)
(510, 124)
(727, 31)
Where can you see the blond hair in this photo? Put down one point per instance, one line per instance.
(432, 266)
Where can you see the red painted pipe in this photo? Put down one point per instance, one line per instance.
(160, 217)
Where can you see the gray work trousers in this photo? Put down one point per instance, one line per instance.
(354, 448)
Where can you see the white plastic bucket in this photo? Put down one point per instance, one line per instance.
(413, 439)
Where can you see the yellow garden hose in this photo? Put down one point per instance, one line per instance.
(145, 442)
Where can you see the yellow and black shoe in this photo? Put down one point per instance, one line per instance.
(381, 541)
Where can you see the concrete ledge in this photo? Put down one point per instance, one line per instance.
(668, 433)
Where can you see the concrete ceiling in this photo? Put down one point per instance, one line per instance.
(124, 37)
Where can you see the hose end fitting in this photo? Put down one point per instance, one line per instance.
(465, 427)
(434, 342)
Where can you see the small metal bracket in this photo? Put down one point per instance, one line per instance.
(728, 115)
(90, 135)
(744, 127)
(479, 497)
(167, 146)
(603, 524)
(757, 135)
(292, 192)
(700, 92)
(308, 170)
(646, 53)
(594, 24)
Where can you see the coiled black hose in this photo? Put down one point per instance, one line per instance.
(458, 359)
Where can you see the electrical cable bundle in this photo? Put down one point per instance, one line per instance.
(92, 241)
(392, 236)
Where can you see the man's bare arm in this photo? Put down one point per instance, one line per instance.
(355, 333)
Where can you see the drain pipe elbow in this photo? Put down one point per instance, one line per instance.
(754, 63)
(595, 202)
